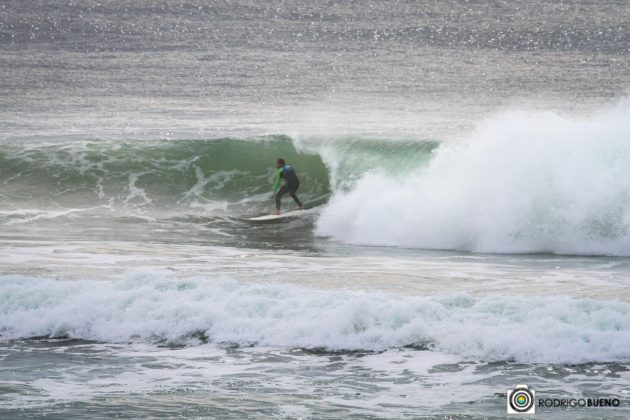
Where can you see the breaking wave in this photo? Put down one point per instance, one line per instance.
(522, 183)
(146, 306)
(535, 182)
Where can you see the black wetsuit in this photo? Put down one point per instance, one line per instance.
(291, 185)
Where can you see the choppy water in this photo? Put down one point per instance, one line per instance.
(465, 165)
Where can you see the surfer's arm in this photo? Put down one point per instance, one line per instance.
(276, 183)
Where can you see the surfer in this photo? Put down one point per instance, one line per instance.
(291, 184)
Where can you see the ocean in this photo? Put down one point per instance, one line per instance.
(465, 167)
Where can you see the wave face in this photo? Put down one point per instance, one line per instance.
(209, 177)
(222, 174)
(523, 182)
(150, 308)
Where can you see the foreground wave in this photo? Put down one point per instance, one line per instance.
(149, 307)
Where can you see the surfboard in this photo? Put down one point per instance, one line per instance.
(275, 217)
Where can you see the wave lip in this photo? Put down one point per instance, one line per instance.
(152, 308)
(522, 183)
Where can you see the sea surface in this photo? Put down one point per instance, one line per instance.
(466, 169)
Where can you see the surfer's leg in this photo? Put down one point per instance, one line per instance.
(295, 198)
(283, 190)
(292, 190)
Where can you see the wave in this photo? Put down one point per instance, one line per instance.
(146, 306)
(534, 182)
(522, 183)
(151, 175)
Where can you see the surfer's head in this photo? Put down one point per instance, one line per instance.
(280, 163)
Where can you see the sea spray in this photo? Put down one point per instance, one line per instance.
(522, 182)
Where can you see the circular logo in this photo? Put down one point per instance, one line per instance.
(521, 400)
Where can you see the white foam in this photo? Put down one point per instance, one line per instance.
(148, 307)
(523, 182)
(20, 216)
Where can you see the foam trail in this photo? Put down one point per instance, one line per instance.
(523, 182)
(148, 307)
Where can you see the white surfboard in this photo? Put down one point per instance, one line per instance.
(272, 217)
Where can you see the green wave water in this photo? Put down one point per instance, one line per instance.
(209, 176)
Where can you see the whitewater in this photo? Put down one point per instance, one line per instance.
(149, 307)
(522, 182)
